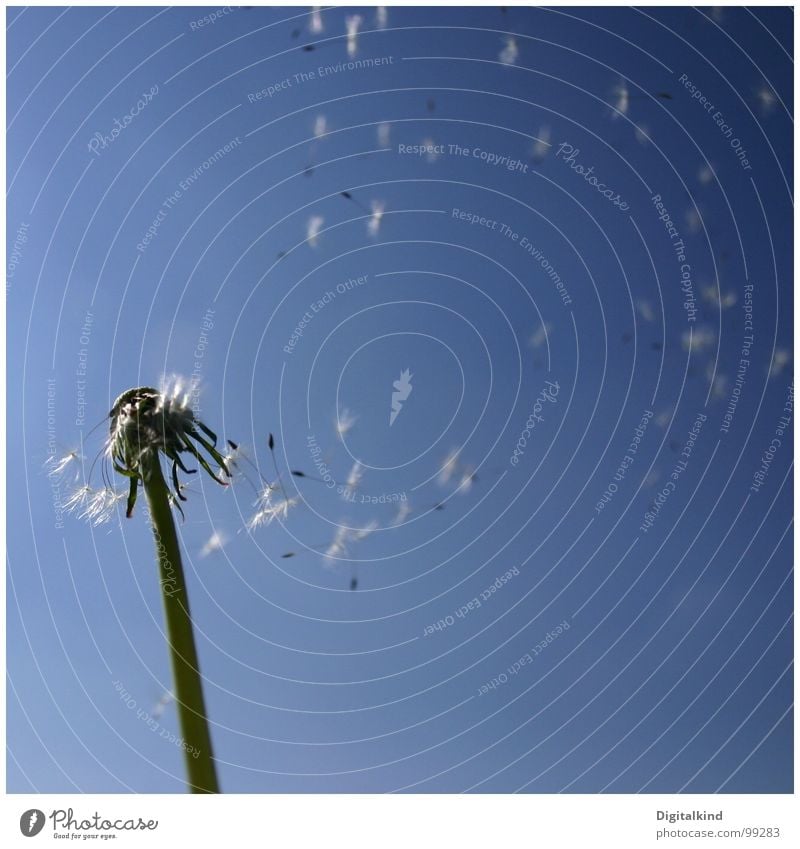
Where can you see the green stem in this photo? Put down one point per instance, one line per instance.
(200, 767)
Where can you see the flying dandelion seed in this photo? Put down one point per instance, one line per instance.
(430, 146)
(642, 133)
(717, 13)
(315, 22)
(314, 226)
(362, 533)
(345, 421)
(382, 16)
(320, 126)
(374, 223)
(622, 100)
(725, 300)
(353, 481)
(449, 468)
(508, 55)
(352, 22)
(780, 359)
(539, 336)
(338, 545)
(403, 511)
(270, 507)
(96, 506)
(56, 466)
(645, 310)
(384, 131)
(541, 146)
(216, 542)
(698, 339)
(161, 705)
(705, 175)
(694, 222)
(468, 478)
(766, 98)
(663, 418)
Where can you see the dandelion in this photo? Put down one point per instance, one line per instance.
(352, 22)
(315, 22)
(384, 131)
(374, 222)
(539, 336)
(314, 226)
(381, 16)
(145, 424)
(541, 146)
(216, 542)
(344, 422)
(320, 126)
(622, 99)
(510, 52)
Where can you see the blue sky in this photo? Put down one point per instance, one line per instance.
(566, 225)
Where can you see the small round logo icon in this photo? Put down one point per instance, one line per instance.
(31, 822)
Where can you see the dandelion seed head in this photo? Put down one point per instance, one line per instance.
(145, 422)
